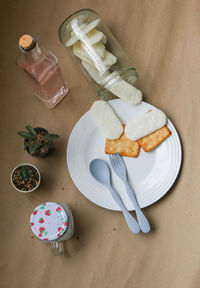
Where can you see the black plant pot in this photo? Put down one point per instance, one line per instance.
(43, 132)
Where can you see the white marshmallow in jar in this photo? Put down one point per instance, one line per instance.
(52, 223)
(101, 59)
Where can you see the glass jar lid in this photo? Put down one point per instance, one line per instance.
(49, 221)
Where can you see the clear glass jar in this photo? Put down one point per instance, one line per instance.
(98, 54)
(52, 223)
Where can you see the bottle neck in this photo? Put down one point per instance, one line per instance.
(33, 53)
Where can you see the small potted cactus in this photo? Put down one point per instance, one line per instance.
(25, 178)
(37, 141)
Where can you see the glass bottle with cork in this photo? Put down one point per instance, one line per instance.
(39, 66)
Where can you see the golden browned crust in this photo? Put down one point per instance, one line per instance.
(123, 146)
(154, 139)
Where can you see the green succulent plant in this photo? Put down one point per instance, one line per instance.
(35, 141)
(25, 173)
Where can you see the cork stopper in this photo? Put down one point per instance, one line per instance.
(26, 42)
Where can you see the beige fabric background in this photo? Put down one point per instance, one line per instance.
(162, 39)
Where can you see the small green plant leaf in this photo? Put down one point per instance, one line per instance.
(29, 172)
(50, 136)
(48, 145)
(24, 174)
(25, 135)
(34, 147)
(23, 169)
(31, 130)
(26, 144)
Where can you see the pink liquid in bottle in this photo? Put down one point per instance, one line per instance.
(40, 68)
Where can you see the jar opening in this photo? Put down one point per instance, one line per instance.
(129, 75)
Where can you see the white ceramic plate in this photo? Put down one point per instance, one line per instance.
(150, 174)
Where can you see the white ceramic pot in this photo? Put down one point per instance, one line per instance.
(25, 164)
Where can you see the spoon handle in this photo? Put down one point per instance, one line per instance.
(142, 220)
(130, 220)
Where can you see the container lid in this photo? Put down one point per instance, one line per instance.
(49, 221)
(26, 42)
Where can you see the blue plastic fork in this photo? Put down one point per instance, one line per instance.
(120, 170)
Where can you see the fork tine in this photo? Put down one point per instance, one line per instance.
(116, 159)
(121, 161)
(111, 161)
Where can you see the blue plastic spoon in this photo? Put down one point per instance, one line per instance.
(101, 172)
